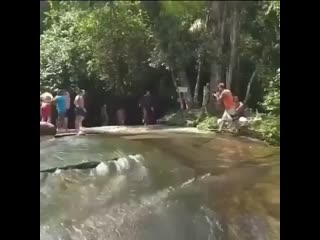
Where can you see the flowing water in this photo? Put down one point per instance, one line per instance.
(179, 188)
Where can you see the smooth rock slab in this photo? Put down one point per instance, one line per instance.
(47, 129)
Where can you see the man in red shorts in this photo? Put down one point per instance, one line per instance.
(226, 97)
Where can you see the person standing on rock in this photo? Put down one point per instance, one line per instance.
(147, 108)
(224, 95)
(66, 117)
(104, 115)
(46, 109)
(80, 111)
(121, 116)
(60, 101)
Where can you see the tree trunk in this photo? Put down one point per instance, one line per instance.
(218, 30)
(217, 33)
(44, 7)
(182, 75)
(173, 78)
(234, 39)
(197, 86)
(236, 81)
(249, 87)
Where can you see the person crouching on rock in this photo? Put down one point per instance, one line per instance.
(80, 111)
(240, 111)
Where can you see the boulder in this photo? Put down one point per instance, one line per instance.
(47, 129)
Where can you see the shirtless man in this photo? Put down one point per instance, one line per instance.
(80, 111)
(226, 97)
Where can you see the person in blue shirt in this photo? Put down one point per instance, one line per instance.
(61, 105)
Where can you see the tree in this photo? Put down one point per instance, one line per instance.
(234, 41)
(106, 46)
(121, 48)
(175, 47)
(44, 7)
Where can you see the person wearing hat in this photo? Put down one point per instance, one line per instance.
(45, 106)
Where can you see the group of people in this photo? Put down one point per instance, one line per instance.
(62, 105)
(233, 115)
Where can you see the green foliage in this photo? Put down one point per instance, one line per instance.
(274, 7)
(260, 44)
(272, 99)
(122, 48)
(44, 7)
(62, 56)
(175, 44)
(208, 123)
(107, 46)
(268, 129)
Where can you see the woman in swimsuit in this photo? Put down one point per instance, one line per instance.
(46, 110)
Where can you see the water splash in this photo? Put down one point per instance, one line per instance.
(102, 169)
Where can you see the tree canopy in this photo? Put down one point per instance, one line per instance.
(124, 47)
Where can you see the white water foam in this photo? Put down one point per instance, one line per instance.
(194, 179)
(121, 165)
(137, 158)
(187, 182)
(102, 169)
